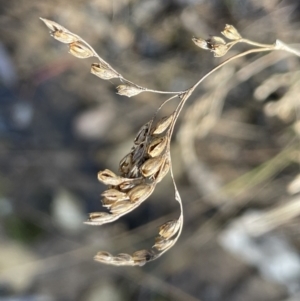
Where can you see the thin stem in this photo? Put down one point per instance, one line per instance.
(249, 42)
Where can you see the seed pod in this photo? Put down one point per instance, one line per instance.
(163, 171)
(152, 166)
(64, 37)
(104, 257)
(157, 146)
(115, 195)
(163, 124)
(140, 193)
(121, 207)
(80, 50)
(126, 164)
(107, 203)
(142, 256)
(123, 259)
(169, 229)
(128, 90)
(142, 133)
(53, 26)
(109, 178)
(231, 33)
(162, 243)
(103, 71)
(201, 43)
(99, 218)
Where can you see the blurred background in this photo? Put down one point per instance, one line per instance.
(235, 152)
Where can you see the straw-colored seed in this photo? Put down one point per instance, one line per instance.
(162, 243)
(169, 229)
(99, 218)
(163, 170)
(140, 192)
(121, 207)
(80, 50)
(142, 256)
(128, 90)
(162, 125)
(64, 37)
(103, 71)
(104, 257)
(157, 146)
(115, 195)
(151, 166)
(109, 178)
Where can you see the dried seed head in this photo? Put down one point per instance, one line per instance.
(126, 164)
(128, 90)
(104, 257)
(152, 166)
(121, 207)
(157, 146)
(109, 178)
(162, 243)
(201, 43)
(231, 33)
(169, 229)
(99, 218)
(115, 195)
(142, 133)
(163, 171)
(80, 50)
(140, 193)
(162, 125)
(103, 71)
(142, 256)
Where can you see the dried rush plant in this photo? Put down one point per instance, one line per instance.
(149, 160)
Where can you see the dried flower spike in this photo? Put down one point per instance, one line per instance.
(128, 90)
(231, 33)
(80, 50)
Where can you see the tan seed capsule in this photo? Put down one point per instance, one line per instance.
(201, 43)
(126, 164)
(103, 71)
(169, 229)
(121, 207)
(140, 193)
(151, 166)
(128, 90)
(107, 203)
(142, 256)
(231, 33)
(64, 37)
(53, 26)
(109, 178)
(157, 146)
(80, 50)
(99, 218)
(115, 195)
(163, 171)
(104, 257)
(123, 259)
(162, 243)
(162, 125)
